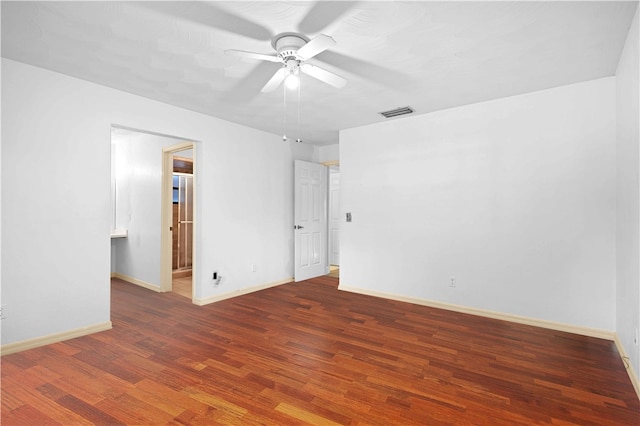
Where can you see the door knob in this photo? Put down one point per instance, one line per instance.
(297, 227)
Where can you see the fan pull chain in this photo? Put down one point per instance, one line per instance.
(299, 135)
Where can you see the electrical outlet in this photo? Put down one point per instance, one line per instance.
(452, 282)
(254, 267)
(216, 278)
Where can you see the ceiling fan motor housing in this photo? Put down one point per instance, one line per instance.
(287, 45)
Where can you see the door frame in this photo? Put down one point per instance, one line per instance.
(166, 233)
(329, 165)
(330, 202)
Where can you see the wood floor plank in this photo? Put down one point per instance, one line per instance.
(130, 410)
(304, 415)
(87, 411)
(27, 415)
(215, 401)
(34, 398)
(308, 353)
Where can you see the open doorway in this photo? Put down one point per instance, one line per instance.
(316, 220)
(334, 220)
(310, 220)
(182, 224)
(142, 192)
(178, 219)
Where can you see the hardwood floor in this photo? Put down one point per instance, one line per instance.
(182, 286)
(334, 271)
(307, 353)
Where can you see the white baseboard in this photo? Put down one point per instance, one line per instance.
(53, 338)
(237, 293)
(625, 359)
(585, 331)
(136, 281)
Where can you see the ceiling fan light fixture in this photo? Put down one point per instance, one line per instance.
(292, 78)
(292, 81)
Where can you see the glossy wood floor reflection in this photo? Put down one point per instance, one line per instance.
(307, 353)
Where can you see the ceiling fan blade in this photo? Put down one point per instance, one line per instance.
(322, 14)
(209, 15)
(323, 75)
(317, 45)
(252, 55)
(373, 72)
(248, 87)
(275, 81)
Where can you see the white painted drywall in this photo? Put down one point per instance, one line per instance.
(515, 198)
(137, 160)
(56, 136)
(328, 153)
(628, 195)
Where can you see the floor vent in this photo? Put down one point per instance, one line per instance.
(398, 111)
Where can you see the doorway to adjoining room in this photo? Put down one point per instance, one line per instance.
(334, 221)
(182, 223)
(142, 194)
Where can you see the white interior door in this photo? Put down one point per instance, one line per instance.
(334, 217)
(310, 220)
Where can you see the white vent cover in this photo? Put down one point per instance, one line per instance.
(398, 111)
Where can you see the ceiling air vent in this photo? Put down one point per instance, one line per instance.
(398, 111)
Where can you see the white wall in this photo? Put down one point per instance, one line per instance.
(137, 160)
(56, 137)
(515, 198)
(328, 153)
(628, 195)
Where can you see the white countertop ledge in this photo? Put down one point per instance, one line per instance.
(119, 233)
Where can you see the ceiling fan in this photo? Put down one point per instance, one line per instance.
(293, 50)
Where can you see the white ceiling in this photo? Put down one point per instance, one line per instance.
(427, 55)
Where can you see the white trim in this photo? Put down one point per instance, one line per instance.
(183, 146)
(53, 338)
(552, 325)
(629, 367)
(240, 292)
(136, 281)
